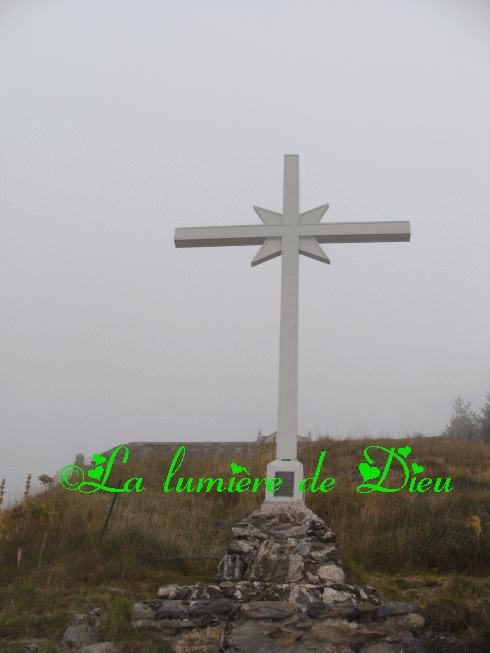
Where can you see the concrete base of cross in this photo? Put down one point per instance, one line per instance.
(291, 473)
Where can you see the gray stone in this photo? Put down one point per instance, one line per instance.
(242, 592)
(285, 531)
(275, 610)
(275, 562)
(366, 608)
(101, 647)
(324, 535)
(394, 607)
(213, 592)
(332, 597)
(317, 647)
(246, 532)
(172, 609)
(317, 609)
(140, 611)
(169, 591)
(266, 636)
(321, 552)
(246, 639)
(211, 606)
(76, 637)
(240, 547)
(148, 624)
(331, 573)
(230, 568)
(414, 646)
(302, 594)
(175, 624)
(411, 621)
(202, 640)
(382, 647)
(321, 610)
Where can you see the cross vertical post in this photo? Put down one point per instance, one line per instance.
(287, 425)
(286, 466)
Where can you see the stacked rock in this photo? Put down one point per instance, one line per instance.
(280, 587)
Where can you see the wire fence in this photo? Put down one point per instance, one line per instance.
(425, 527)
(152, 528)
(160, 530)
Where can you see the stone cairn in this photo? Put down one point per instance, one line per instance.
(280, 587)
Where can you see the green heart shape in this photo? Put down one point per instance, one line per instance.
(98, 460)
(416, 468)
(368, 472)
(96, 473)
(404, 452)
(236, 469)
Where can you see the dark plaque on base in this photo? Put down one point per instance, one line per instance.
(286, 488)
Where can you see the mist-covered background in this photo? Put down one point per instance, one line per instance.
(124, 119)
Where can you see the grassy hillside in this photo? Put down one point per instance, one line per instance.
(425, 546)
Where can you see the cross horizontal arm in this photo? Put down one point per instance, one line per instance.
(328, 232)
(222, 236)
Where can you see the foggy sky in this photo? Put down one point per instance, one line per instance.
(124, 119)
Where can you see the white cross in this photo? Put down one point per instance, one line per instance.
(289, 233)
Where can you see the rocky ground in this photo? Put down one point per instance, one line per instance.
(280, 587)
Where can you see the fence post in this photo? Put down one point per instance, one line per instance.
(109, 513)
(44, 541)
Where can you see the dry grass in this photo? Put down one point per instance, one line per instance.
(50, 561)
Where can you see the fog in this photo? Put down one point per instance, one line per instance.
(125, 119)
